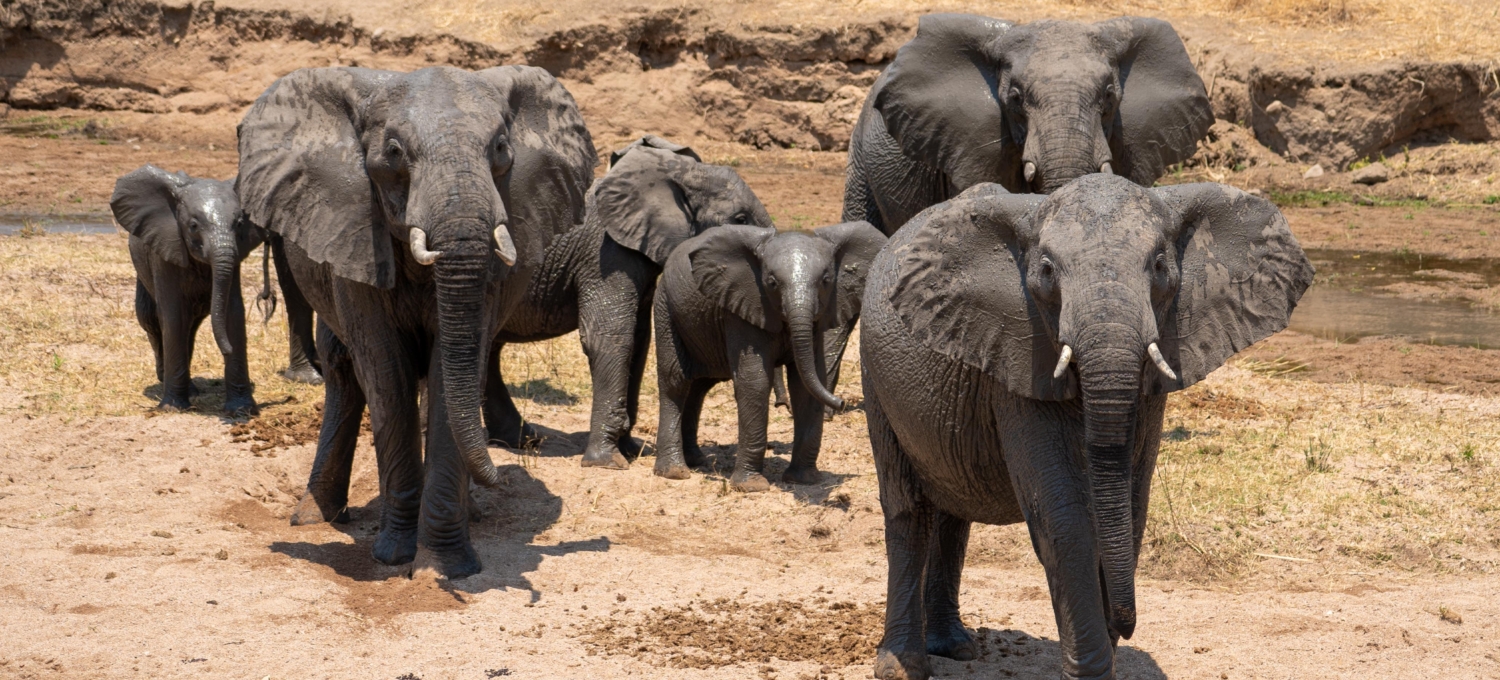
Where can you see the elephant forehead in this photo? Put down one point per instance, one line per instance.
(212, 200)
(796, 249)
(1103, 207)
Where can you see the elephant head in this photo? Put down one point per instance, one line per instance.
(806, 283)
(1103, 292)
(1034, 106)
(186, 221)
(393, 179)
(658, 194)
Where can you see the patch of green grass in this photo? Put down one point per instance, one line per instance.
(1321, 199)
(1491, 199)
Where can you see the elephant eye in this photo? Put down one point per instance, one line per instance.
(1014, 96)
(771, 282)
(740, 218)
(393, 150)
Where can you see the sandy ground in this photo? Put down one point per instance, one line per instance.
(1332, 522)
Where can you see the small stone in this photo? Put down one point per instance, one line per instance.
(161, 534)
(1275, 108)
(620, 597)
(110, 575)
(1314, 171)
(1373, 173)
(222, 554)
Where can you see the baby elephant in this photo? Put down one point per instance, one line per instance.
(734, 303)
(187, 238)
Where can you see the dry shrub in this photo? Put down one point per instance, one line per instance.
(723, 632)
(1299, 12)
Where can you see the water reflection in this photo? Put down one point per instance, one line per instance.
(1346, 302)
(12, 224)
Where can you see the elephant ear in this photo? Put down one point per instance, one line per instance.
(302, 171)
(554, 155)
(643, 206)
(1164, 107)
(725, 262)
(856, 244)
(959, 287)
(144, 204)
(1242, 275)
(938, 97)
(653, 142)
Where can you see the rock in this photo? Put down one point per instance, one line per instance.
(1373, 173)
(199, 102)
(1314, 171)
(1275, 108)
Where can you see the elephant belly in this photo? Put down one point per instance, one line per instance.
(943, 414)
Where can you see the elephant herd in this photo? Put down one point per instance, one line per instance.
(1028, 298)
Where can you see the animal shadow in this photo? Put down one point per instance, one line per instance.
(207, 398)
(719, 465)
(504, 522)
(541, 391)
(1014, 653)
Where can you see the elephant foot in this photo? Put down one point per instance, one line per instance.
(449, 563)
(308, 512)
(174, 404)
(951, 640)
(610, 460)
(802, 475)
(630, 447)
(306, 375)
(671, 469)
(395, 547)
(892, 665)
(241, 406)
(693, 457)
(515, 438)
(749, 482)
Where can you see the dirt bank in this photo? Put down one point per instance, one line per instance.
(687, 71)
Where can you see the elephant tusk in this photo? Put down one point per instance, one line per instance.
(1029, 170)
(419, 249)
(1106, 169)
(504, 246)
(1161, 362)
(1063, 359)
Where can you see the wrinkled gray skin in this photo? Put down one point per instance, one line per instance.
(972, 99)
(600, 277)
(387, 190)
(966, 314)
(187, 239)
(736, 302)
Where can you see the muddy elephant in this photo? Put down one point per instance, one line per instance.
(734, 303)
(599, 279)
(1031, 107)
(1017, 351)
(413, 208)
(187, 239)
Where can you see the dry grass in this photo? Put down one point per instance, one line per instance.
(1349, 30)
(1254, 467)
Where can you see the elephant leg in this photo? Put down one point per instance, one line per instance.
(609, 343)
(807, 435)
(752, 396)
(1054, 493)
(327, 497)
(239, 392)
(692, 411)
(445, 497)
(145, 313)
(946, 635)
(381, 360)
(640, 352)
(908, 523)
(177, 330)
(302, 352)
(502, 419)
(674, 389)
(778, 387)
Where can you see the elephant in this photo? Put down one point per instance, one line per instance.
(737, 301)
(187, 238)
(1031, 107)
(412, 208)
(599, 279)
(1017, 352)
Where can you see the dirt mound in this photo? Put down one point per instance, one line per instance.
(723, 632)
(679, 72)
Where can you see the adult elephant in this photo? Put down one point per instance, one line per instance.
(1017, 351)
(600, 277)
(413, 208)
(1030, 107)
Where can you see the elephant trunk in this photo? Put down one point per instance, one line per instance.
(461, 276)
(1109, 379)
(225, 263)
(1066, 145)
(805, 352)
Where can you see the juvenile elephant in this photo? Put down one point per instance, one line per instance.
(1017, 351)
(734, 303)
(187, 238)
(1031, 107)
(599, 278)
(413, 208)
